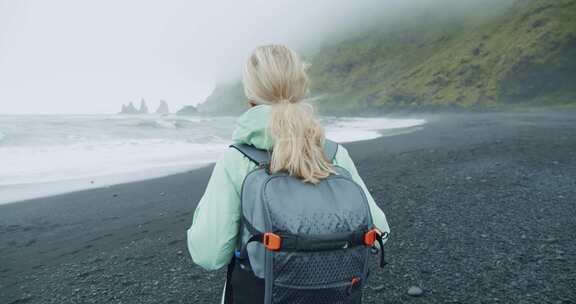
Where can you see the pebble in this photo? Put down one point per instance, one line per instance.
(377, 287)
(114, 195)
(551, 240)
(415, 291)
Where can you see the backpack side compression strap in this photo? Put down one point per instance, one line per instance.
(260, 156)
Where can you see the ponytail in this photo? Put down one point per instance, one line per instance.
(275, 75)
(298, 142)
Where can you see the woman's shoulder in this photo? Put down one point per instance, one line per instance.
(342, 155)
(232, 167)
(344, 160)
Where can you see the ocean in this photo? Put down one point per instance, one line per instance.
(43, 155)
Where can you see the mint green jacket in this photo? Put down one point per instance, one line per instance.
(212, 238)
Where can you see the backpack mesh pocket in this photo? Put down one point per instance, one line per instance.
(339, 293)
(317, 277)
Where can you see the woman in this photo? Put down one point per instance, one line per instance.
(275, 83)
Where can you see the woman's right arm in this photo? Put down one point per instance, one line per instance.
(212, 235)
(378, 217)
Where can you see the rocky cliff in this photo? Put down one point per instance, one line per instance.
(227, 98)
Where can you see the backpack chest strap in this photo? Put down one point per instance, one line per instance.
(317, 242)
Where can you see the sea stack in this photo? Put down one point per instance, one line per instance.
(143, 107)
(128, 109)
(187, 110)
(163, 108)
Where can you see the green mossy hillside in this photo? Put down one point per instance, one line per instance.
(524, 55)
(518, 56)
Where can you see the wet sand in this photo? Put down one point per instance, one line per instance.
(482, 209)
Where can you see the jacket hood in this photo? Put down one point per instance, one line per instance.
(251, 127)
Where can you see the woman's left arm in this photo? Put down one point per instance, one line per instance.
(379, 218)
(213, 235)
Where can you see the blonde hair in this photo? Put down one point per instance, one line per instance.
(276, 76)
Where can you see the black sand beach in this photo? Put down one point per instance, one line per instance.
(482, 210)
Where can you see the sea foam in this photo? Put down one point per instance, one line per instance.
(55, 154)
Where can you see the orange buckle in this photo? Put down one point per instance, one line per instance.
(370, 236)
(272, 241)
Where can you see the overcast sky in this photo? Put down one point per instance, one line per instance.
(91, 56)
(74, 56)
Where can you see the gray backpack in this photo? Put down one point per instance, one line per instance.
(310, 243)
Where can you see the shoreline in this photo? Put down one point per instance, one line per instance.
(478, 205)
(20, 193)
(16, 193)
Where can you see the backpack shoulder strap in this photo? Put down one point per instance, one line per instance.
(330, 149)
(260, 156)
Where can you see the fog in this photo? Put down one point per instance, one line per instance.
(91, 56)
